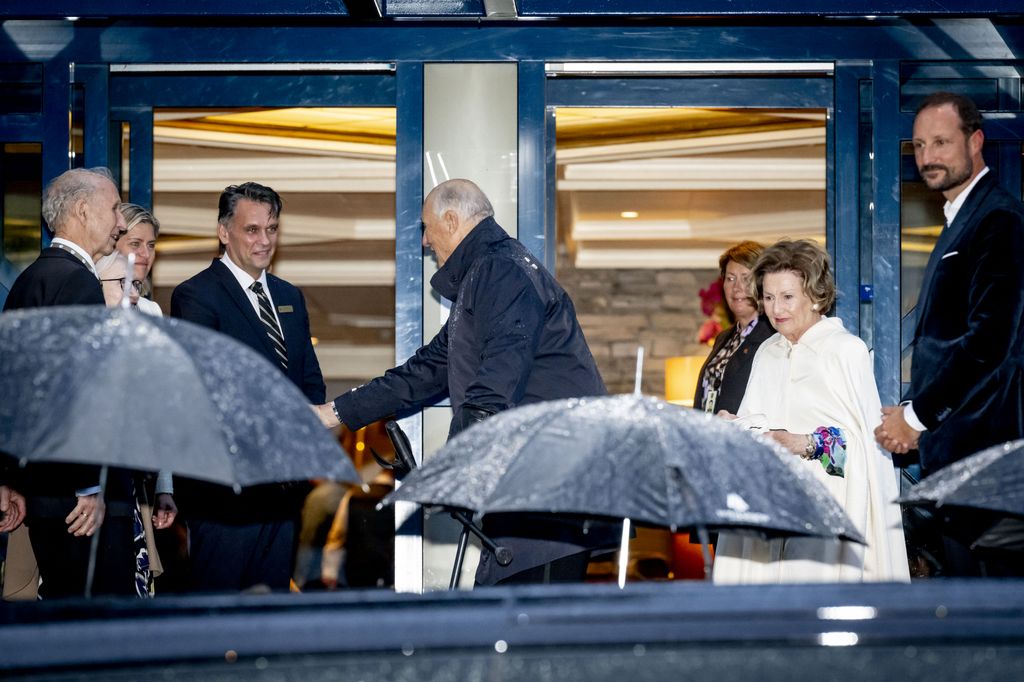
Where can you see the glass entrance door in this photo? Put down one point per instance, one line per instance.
(326, 142)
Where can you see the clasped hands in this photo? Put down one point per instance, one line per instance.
(894, 433)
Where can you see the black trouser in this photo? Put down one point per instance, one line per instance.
(63, 558)
(229, 557)
(961, 529)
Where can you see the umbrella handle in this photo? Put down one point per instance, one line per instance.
(403, 450)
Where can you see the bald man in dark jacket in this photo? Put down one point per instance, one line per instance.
(512, 338)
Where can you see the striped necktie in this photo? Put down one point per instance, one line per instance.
(270, 323)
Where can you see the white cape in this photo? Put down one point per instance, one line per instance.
(825, 379)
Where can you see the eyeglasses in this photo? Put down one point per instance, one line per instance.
(136, 283)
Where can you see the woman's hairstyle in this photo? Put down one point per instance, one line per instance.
(745, 253)
(136, 215)
(806, 259)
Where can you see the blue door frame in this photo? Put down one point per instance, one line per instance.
(879, 67)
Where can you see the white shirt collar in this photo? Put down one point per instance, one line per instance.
(245, 280)
(79, 250)
(951, 208)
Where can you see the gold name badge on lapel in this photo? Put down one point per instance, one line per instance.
(285, 309)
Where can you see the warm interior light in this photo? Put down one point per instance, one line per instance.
(629, 214)
(314, 340)
(681, 375)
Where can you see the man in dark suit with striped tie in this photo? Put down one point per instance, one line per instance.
(244, 541)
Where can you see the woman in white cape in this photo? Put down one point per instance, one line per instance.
(814, 383)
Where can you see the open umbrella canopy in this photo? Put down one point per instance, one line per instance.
(628, 456)
(992, 479)
(87, 384)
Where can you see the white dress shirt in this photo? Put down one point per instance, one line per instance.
(86, 258)
(245, 281)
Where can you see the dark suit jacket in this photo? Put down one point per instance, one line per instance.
(56, 278)
(214, 299)
(966, 383)
(737, 371)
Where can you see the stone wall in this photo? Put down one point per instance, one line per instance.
(621, 309)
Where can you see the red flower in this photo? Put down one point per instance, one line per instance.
(711, 297)
(709, 330)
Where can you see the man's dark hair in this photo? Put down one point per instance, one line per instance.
(247, 190)
(970, 117)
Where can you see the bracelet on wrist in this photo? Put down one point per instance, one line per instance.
(808, 448)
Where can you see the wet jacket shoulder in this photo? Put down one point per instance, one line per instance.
(513, 337)
(55, 278)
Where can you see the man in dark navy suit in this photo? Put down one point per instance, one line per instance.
(245, 541)
(967, 383)
(64, 504)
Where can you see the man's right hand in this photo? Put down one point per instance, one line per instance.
(87, 516)
(326, 414)
(12, 508)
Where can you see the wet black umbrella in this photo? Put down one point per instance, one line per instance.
(628, 457)
(992, 479)
(75, 381)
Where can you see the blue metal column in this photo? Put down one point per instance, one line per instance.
(140, 157)
(533, 165)
(885, 143)
(1009, 170)
(844, 159)
(57, 124)
(409, 297)
(551, 194)
(96, 127)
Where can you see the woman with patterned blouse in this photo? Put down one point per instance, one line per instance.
(723, 378)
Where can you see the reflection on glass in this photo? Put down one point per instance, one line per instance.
(335, 171)
(649, 198)
(21, 169)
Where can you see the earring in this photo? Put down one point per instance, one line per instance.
(814, 307)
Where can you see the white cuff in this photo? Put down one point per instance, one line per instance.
(85, 492)
(910, 417)
(164, 482)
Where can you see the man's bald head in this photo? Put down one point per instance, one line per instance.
(82, 205)
(459, 195)
(68, 188)
(450, 212)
